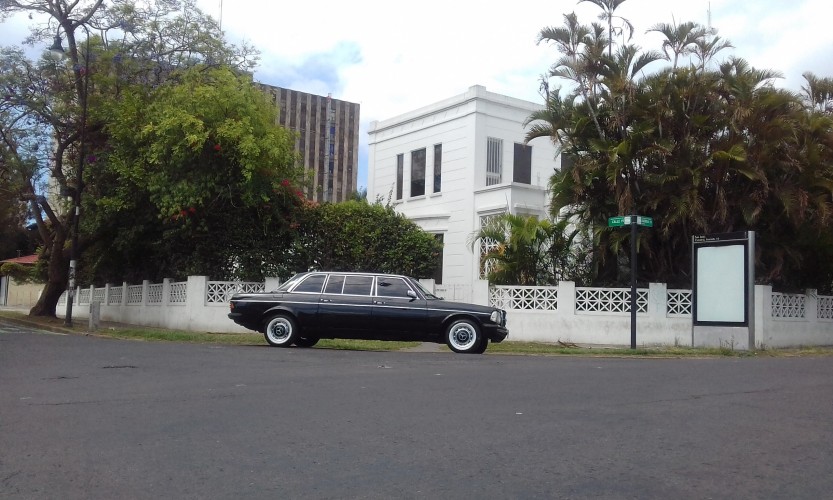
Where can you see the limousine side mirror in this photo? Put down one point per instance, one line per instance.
(412, 294)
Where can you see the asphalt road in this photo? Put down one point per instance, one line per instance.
(87, 417)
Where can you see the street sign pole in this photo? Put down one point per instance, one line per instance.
(633, 281)
(634, 221)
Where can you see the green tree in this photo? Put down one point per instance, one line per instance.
(15, 239)
(702, 150)
(609, 16)
(359, 236)
(680, 39)
(204, 175)
(50, 116)
(528, 251)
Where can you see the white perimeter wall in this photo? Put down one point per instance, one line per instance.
(782, 320)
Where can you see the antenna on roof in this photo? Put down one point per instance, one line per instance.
(221, 15)
(709, 13)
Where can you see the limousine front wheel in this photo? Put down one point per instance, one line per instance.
(464, 336)
(280, 330)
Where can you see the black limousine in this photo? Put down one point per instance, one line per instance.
(317, 305)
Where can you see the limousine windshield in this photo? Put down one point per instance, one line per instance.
(286, 285)
(428, 295)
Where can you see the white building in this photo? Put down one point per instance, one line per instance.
(451, 165)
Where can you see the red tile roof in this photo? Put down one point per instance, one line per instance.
(27, 259)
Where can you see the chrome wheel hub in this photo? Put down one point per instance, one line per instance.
(462, 337)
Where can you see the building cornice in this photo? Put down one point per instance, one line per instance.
(475, 94)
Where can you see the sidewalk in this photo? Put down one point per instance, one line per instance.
(20, 316)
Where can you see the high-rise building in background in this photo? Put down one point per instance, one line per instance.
(328, 140)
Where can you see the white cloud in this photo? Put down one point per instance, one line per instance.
(392, 57)
(413, 54)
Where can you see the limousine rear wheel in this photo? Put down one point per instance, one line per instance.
(463, 335)
(280, 330)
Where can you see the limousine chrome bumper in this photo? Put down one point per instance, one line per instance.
(240, 320)
(495, 333)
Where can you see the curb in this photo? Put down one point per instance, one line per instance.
(41, 326)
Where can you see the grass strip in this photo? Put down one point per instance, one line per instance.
(120, 331)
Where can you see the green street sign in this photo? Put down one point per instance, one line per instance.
(618, 221)
(641, 220)
(626, 220)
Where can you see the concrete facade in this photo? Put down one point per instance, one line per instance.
(14, 294)
(463, 127)
(328, 139)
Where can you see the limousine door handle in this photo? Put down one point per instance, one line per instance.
(379, 302)
(326, 300)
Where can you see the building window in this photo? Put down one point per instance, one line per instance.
(438, 268)
(494, 161)
(486, 246)
(400, 173)
(418, 172)
(522, 170)
(438, 167)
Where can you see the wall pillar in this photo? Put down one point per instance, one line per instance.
(166, 292)
(480, 292)
(657, 300)
(763, 315)
(567, 298)
(271, 284)
(145, 292)
(811, 305)
(429, 284)
(197, 287)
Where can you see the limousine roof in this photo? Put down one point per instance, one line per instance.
(356, 273)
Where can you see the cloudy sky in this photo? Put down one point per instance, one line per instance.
(392, 57)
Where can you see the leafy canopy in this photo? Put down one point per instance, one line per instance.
(703, 146)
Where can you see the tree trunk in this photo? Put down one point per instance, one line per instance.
(56, 283)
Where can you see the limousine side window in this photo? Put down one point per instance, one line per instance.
(392, 287)
(358, 285)
(312, 284)
(334, 284)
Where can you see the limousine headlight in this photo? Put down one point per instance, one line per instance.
(495, 317)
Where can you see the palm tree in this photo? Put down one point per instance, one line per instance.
(680, 40)
(818, 92)
(702, 150)
(608, 15)
(528, 251)
(583, 48)
(706, 47)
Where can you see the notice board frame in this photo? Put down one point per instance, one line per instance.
(708, 250)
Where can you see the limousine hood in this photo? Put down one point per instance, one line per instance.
(461, 305)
